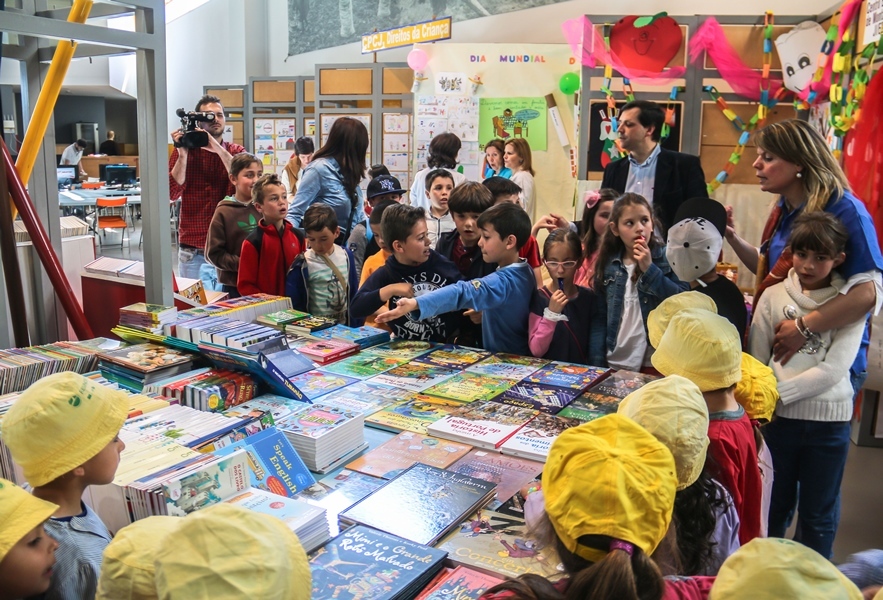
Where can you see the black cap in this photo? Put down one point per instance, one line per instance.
(703, 208)
(384, 184)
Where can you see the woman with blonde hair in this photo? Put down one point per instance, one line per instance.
(493, 160)
(517, 157)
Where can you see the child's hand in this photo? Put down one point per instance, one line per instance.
(474, 316)
(403, 307)
(641, 254)
(403, 289)
(558, 301)
(549, 222)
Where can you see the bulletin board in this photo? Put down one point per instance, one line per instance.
(280, 111)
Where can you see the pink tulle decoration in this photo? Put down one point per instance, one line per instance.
(848, 14)
(745, 81)
(587, 46)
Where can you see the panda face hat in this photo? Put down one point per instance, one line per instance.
(696, 238)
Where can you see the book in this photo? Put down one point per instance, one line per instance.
(310, 325)
(314, 384)
(304, 519)
(364, 336)
(279, 319)
(276, 370)
(405, 349)
(337, 493)
(590, 405)
(462, 583)
(365, 563)
(428, 502)
(367, 395)
(545, 398)
(534, 439)
(567, 375)
(414, 376)
(508, 366)
(324, 435)
(484, 424)
(414, 414)
(394, 456)
(468, 387)
(621, 383)
(363, 366)
(452, 356)
(509, 473)
(146, 358)
(211, 483)
(326, 351)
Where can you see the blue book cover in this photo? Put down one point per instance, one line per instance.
(365, 563)
(567, 375)
(271, 370)
(364, 336)
(545, 398)
(273, 463)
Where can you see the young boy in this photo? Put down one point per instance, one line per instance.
(506, 190)
(63, 432)
(439, 185)
(705, 348)
(413, 270)
(235, 217)
(363, 243)
(378, 259)
(323, 280)
(809, 437)
(504, 295)
(270, 249)
(27, 554)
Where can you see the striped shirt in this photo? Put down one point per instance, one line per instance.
(81, 541)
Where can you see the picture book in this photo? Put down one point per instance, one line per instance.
(326, 351)
(468, 387)
(414, 414)
(545, 398)
(277, 406)
(451, 356)
(279, 319)
(364, 336)
(315, 420)
(509, 473)
(508, 366)
(428, 502)
(370, 392)
(365, 563)
(310, 325)
(304, 519)
(363, 366)
(402, 349)
(589, 406)
(337, 493)
(211, 483)
(145, 358)
(392, 457)
(497, 543)
(414, 376)
(463, 584)
(483, 424)
(567, 375)
(534, 439)
(622, 383)
(315, 384)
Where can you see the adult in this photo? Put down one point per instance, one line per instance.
(442, 154)
(794, 161)
(201, 178)
(109, 146)
(517, 157)
(333, 177)
(303, 154)
(664, 177)
(73, 154)
(493, 160)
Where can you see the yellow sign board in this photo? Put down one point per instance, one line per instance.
(428, 31)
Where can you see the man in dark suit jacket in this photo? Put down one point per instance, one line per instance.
(678, 176)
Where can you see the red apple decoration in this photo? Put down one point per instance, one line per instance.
(649, 47)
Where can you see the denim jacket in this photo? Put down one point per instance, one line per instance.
(322, 181)
(654, 286)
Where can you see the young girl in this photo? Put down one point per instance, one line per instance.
(493, 158)
(599, 204)
(439, 185)
(809, 436)
(632, 277)
(562, 313)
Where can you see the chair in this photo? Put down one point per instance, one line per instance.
(109, 216)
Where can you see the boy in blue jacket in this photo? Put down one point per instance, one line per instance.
(504, 295)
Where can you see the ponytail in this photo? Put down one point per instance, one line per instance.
(619, 575)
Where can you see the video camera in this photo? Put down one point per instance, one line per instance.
(193, 136)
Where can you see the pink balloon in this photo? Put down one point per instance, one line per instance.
(417, 59)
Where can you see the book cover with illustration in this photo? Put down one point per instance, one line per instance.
(428, 502)
(469, 387)
(452, 356)
(545, 398)
(534, 439)
(509, 473)
(326, 351)
(364, 336)
(315, 384)
(370, 392)
(414, 414)
(497, 543)
(394, 456)
(484, 424)
(621, 383)
(363, 563)
(589, 406)
(210, 484)
(462, 583)
(309, 325)
(363, 366)
(337, 493)
(145, 358)
(304, 519)
(508, 366)
(414, 376)
(406, 350)
(568, 375)
(315, 421)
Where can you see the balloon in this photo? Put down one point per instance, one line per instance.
(417, 59)
(569, 83)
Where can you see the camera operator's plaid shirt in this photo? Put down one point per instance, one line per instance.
(206, 183)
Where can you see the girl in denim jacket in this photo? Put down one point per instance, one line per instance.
(632, 276)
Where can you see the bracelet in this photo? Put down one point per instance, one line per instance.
(802, 328)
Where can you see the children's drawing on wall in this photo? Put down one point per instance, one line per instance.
(506, 118)
(451, 83)
(317, 24)
(602, 137)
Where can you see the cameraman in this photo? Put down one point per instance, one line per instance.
(200, 177)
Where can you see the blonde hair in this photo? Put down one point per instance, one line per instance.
(522, 149)
(797, 142)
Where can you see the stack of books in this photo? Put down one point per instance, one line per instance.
(135, 366)
(324, 436)
(365, 336)
(278, 320)
(604, 397)
(20, 367)
(147, 317)
(206, 389)
(309, 325)
(323, 352)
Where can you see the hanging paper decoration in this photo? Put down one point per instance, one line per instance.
(836, 36)
(648, 46)
(569, 83)
(799, 54)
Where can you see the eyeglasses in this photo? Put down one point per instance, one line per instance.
(568, 264)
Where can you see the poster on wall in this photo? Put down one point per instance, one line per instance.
(602, 147)
(507, 118)
(455, 114)
(451, 83)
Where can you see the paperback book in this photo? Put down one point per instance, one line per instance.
(485, 424)
(544, 398)
(451, 356)
(508, 366)
(590, 405)
(567, 375)
(534, 439)
(468, 387)
(363, 366)
(147, 358)
(406, 350)
(414, 414)
(509, 473)
(336, 493)
(414, 376)
(211, 483)
(394, 456)
(314, 384)
(278, 320)
(366, 396)
(304, 519)
(328, 351)
(310, 325)
(276, 370)
(621, 383)
(462, 583)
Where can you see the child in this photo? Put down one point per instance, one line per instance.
(128, 572)
(378, 259)
(322, 281)
(269, 250)
(504, 230)
(631, 279)
(235, 217)
(809, 436)
(362, 242)
(439, 185)
(694, 245)
(505, 190)
(63, 432)
(442, 154)
(27, 554)
(705, 348)
(412, 270)
(565, 321)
